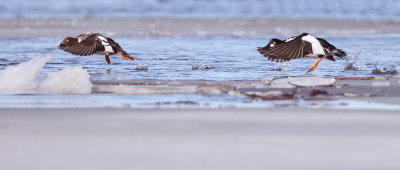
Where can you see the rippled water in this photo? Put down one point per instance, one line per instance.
(189, 58)
(226, 58)
(362, 9)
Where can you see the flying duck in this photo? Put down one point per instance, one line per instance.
(93, 43)
(303, 45)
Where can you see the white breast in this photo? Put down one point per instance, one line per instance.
(316, 46)
(106, 44)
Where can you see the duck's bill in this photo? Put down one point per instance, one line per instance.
(124, 56)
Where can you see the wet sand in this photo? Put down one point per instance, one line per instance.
(177, 139)
(170, 27)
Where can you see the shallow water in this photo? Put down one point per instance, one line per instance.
(187, 58)
(360, 9)
(226, 58)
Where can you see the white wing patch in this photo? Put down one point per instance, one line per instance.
(84, 36)
(107, 46)
(290, 39)
(315, 44)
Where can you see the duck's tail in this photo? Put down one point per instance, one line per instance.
(338, 52)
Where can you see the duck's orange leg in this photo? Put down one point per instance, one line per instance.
(315, 65)
(124, 57)
(108, 59)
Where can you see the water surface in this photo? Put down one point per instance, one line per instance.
(178, 58)
(229, 58)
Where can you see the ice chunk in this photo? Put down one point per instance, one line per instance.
(267, 80)
(311, 81)
(291, 82)
(273, 93)
(129, 89)
(281, 83)
(21, 78)
(72, 80)
(211, 91)
(381, 83)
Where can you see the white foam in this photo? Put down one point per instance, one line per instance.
(22, 79)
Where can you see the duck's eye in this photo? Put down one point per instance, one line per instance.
(273, 43)
(67, 40)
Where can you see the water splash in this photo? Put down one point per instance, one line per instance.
(22, 79)
(282, 66)
(142, 67)
(385, 69)
(352, 62)
(202, 66)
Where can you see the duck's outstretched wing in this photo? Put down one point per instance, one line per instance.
(295, 48)
(86, 47)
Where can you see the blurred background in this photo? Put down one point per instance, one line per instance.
(353, 9)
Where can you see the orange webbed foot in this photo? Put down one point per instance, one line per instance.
(315, 65)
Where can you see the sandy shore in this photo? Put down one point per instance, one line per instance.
(173, 139)
(139, 27)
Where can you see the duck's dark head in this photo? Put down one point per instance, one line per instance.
(68, 42)
(272, 43)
